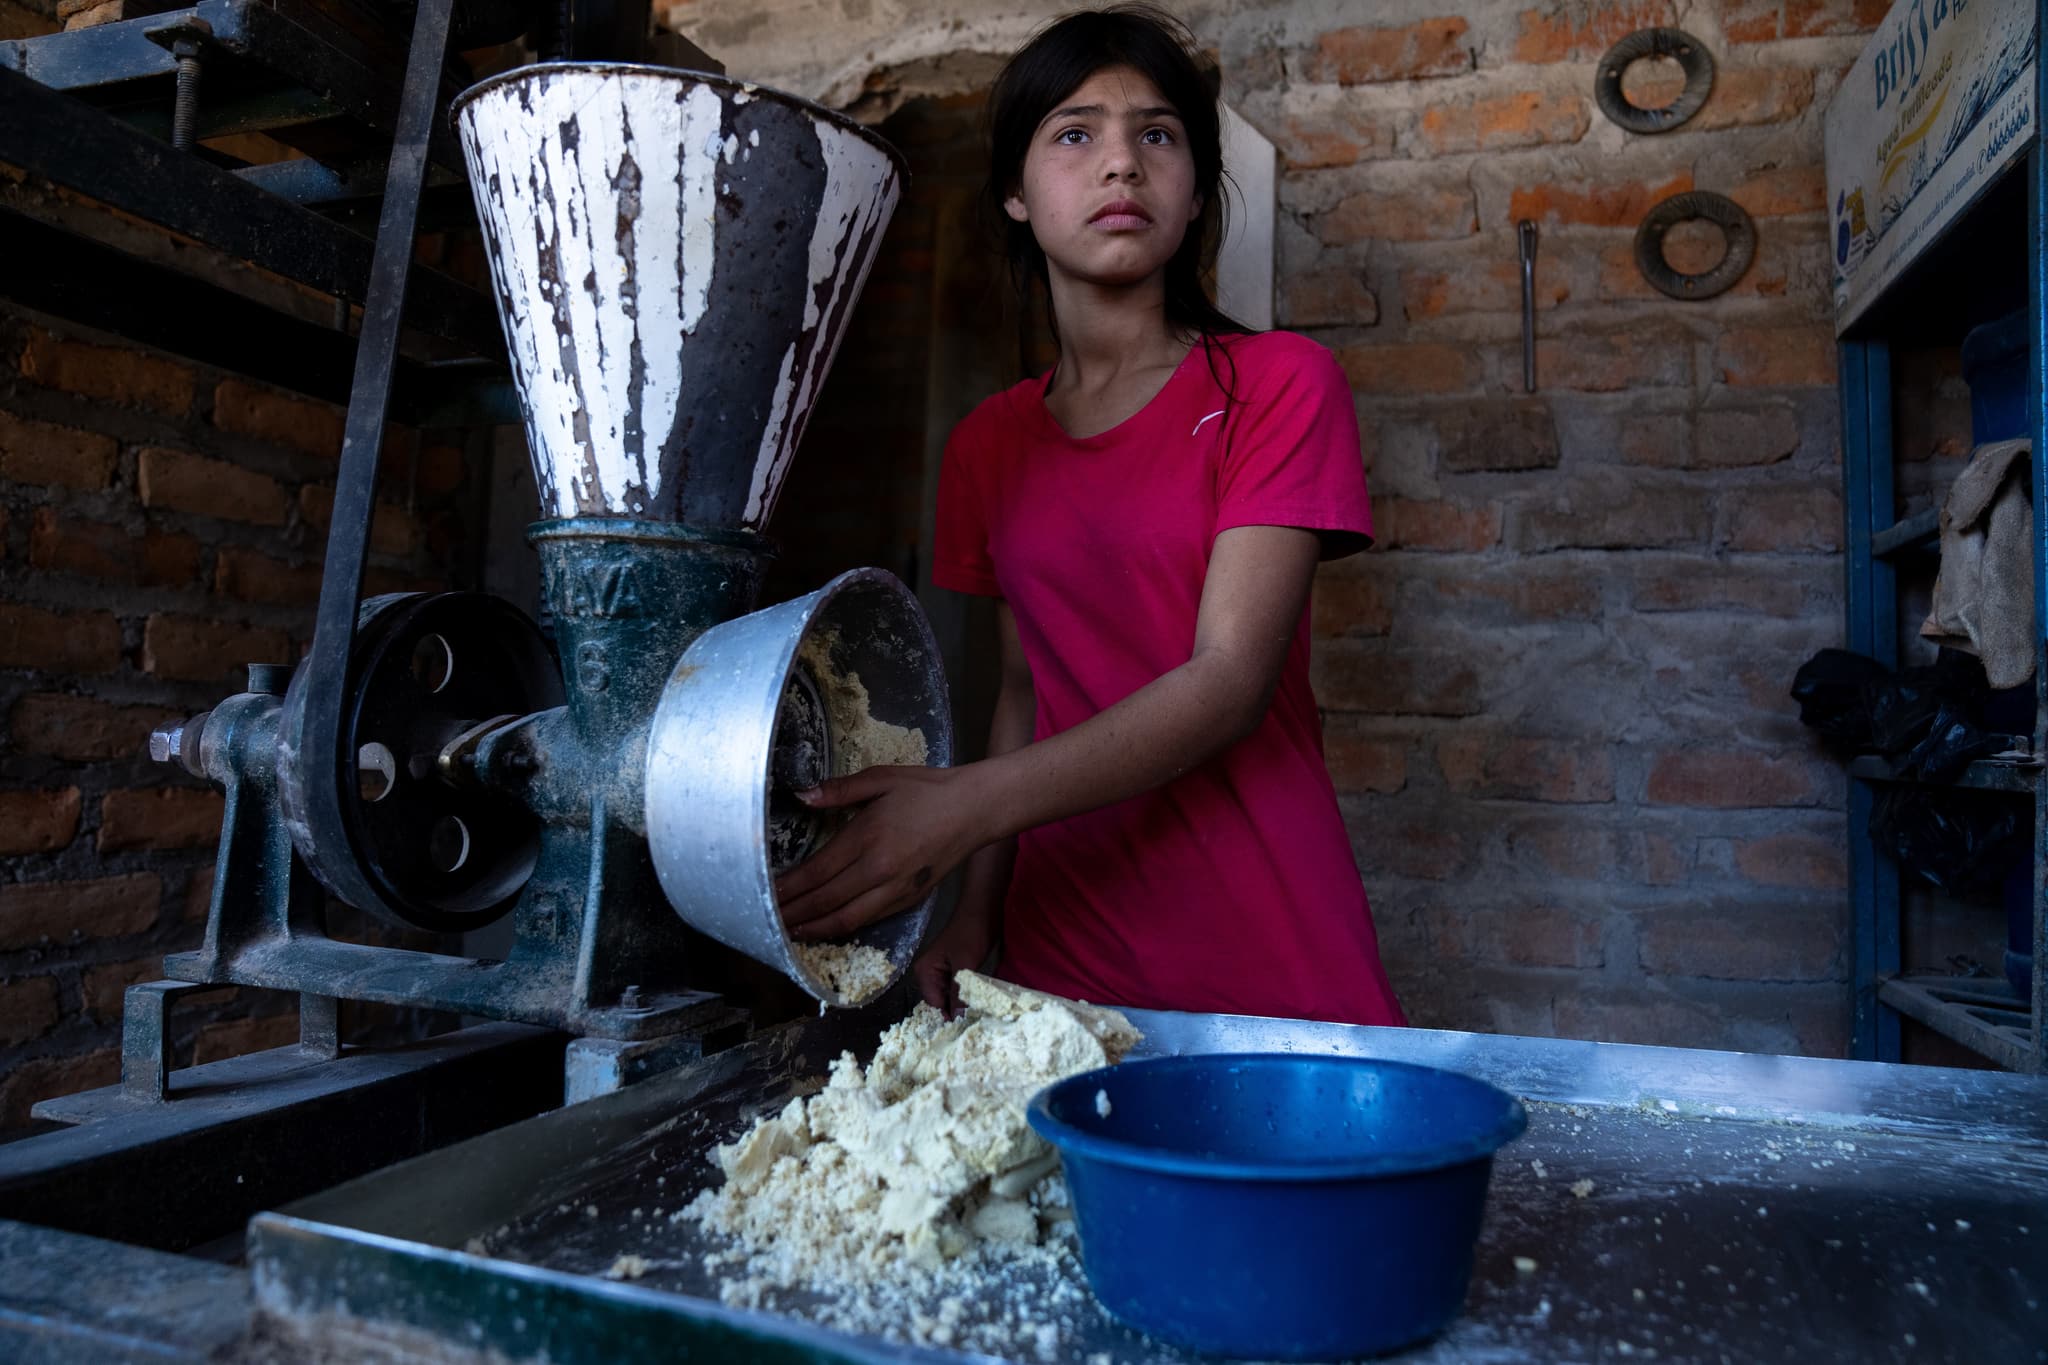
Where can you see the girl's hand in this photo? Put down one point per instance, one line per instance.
(962, 946)
(915, 826)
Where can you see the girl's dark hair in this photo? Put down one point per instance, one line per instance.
(1045, 71)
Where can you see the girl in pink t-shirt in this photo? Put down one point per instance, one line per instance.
(1154, 825)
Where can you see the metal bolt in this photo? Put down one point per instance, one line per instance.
(180, 743)
(629, 998)
(185, 112)
(165, 742)
(187, 41)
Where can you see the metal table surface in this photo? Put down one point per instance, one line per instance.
(1740, 1208)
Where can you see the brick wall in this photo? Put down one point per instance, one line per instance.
(1556, 701)
(161, 526)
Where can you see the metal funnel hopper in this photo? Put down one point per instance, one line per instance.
(675, 256)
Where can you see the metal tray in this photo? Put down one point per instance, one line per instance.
(1739, 1207)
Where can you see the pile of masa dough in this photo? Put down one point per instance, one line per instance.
(924, 1157)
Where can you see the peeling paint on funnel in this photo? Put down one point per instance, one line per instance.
(672, 306)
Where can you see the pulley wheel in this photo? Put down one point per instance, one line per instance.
(762, 707)
(424, 850)
(1706, 206)
(1691, 56)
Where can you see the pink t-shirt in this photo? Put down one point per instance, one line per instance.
(1232, 888)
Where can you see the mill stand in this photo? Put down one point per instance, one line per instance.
(675, 257)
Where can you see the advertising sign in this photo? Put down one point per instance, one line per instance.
(1937, 106)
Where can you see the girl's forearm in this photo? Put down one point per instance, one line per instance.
(1177, 722)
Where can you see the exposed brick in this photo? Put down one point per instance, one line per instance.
(1578, 31)
(1660, 439)
(1525, 118)
(39, 453)
(1407, 524)
(1720, 439)
(1423, 849)
(1328, 298)
(393, 531)
(1513, 435)
(1349, 602)
(1568, 848)
(1593, 203)
(1794, 860)
(1540, 936)
(1360, 56)
(59, 642)
(1781, 356)
(28, 1009)
(1339, 137)
(1748, 97)
(199, 894)
(1786, 190)
(1729, 944)
(1410, 369)
(1418, 215)
(1491, 765)
(1494, 287)
(159, 818)
(109, 374)
(1750, 21)
(235, 1037)
(186, 482)
(1609, 362)
(1635, 1018)
(1730, 779)
(442, 470)
(82, 729)
(107, 907)
(256, 577)
(1665, 861)
(200, 650)
(1824, 18)
(93, 15)
(105, 986)
(1392, 685)
(1720, 587)
(97, 549)
(1528, 594)
(1613, 515)
(1728, 438)
(1784, 519)
(267, 414)
(18, 20)
(38, 821)
(42, 1078)
(1361, 763)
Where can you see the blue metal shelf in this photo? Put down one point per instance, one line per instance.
(1983, 1017)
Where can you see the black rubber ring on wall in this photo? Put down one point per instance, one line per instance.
(1718, 209)
(1690, 54)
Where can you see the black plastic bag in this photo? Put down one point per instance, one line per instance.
(1961, 841)
(1834, 690)
(1904, 708)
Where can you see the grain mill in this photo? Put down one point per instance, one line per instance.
(675, 257)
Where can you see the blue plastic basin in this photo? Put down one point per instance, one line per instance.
(1284, 1207)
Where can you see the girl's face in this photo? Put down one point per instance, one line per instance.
(1109, 183)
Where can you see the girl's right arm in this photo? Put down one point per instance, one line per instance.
(977, 921)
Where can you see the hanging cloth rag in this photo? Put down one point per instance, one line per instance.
(1984, 592)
